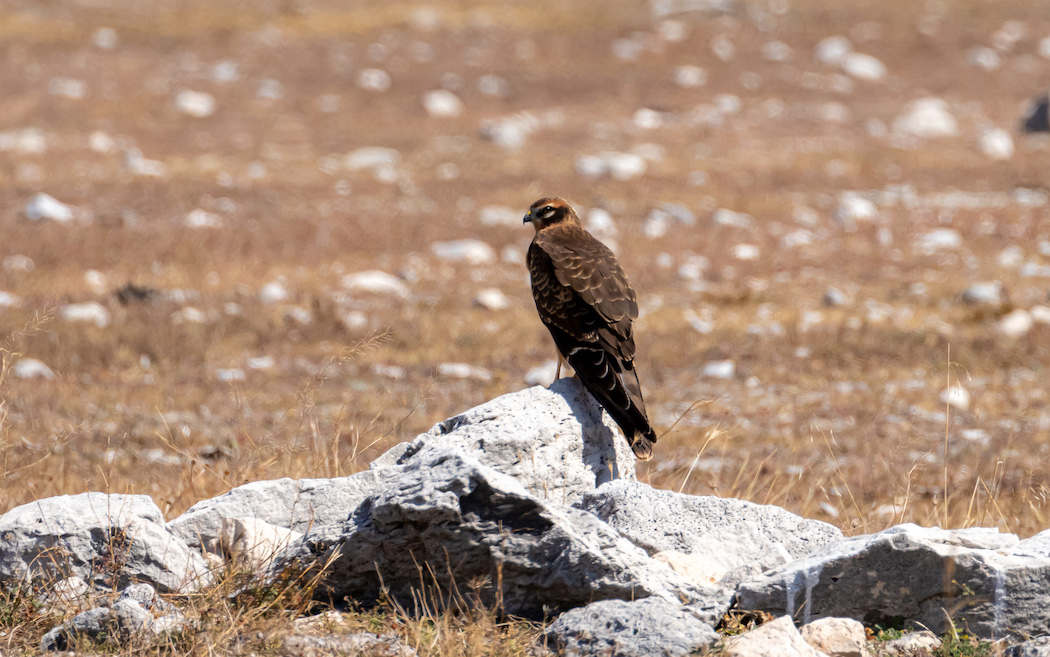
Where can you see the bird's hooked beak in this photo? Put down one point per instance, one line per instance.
(528, 217)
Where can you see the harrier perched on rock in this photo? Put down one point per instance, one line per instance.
(587, 303)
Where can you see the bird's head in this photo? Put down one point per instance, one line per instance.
(549, 211)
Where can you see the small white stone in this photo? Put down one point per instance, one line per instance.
(189, 315)
(777, 51)
(375, 281)
(202, 219)
(956, 396)
(724, 217)
(354, 320)
(723, 48)
(371, 157)
(600, 223)
(493, 85)
(1016, 324)
(44, 206)
(8, 300)
(492, 299)
(836, 637)
(26, 141)
(105, 38)
(938, 240)
(269, 89)
(474, 252)
(199, 104)
(647, 119)
(983, 58)
(100, 142)
(96, 281)
(70, 88)
(298, 314)
(834, 298)
(1040, 314)
(273, 292)
(984, 294)
(374, 79)
(996, 144)
(625, 166)
(18, 262)
(442, 104)
(31, 368)
(689, 77)
(1044, 48)
(863, 67)
(746, 252)
(926, 117)
(389, 371)
(832, 50)
(88, 312)
(139, 165)
(542, 375)
(230, 374)
(225, 72)
(1012, 257)
(797, 238)
(464, 371)
(719, 369)
(501, 215)
(852, 208)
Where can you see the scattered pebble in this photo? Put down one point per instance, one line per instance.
(8, 300)
(1016, 324)
(938, 240)
(18, 262)
(620, 166)
(464, 371)
(44, 206)
(719, 369)
(1040, 314)
(853, 207)
(25, 141)
(199, 104)
(273, 292)
(375, 281)
(724, 217)
(105, 38)
(777, 51)
(230, 374)
(832, 50)
(863, 67)
(88, 312)
(746, 252)
(600, 223)
(956, 396)
(996, 144)
(983, 58)
(374, 79)
(988, 294)
(96, 281)
(202, 219)
(269, 89)
(442, 104)
(493, 85)
(689, 77)
(542, 375)
(926, 117)
(225, 72)
(834, 298)
(492, 299)
(70, 88)
(298, 314)
(31, 368)
(473, 252)
(371, 157)
(189, 315)
(501, 215)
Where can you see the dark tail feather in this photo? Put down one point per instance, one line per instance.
(616, 388)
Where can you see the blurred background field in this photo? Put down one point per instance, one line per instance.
(253, 240)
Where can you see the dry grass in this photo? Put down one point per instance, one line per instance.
(838, 420)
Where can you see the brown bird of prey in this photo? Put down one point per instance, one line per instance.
(587, 303)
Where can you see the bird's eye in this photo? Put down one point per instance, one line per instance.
(545, 212)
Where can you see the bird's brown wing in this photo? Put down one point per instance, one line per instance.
(587, 303)
(587, 267)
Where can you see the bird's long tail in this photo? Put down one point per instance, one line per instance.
(614, 384)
